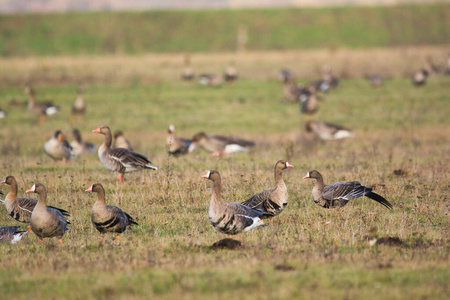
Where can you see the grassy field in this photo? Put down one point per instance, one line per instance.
(216, 30)
(308, 253)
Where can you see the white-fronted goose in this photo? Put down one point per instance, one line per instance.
(58, 148)
(108, 218)
(11, 234)
(46, 222)
(209, 79)
(78, 107)
(292, 91)
(230, 218)
(419, 78)
(219, 144)
(310, 105)
(327, 131)
(120, 141)
(79, 146)
(327, 76)
(338, 194)
(3, 114)
(285, 75)
(120, 160)
(272, 202)
(21, 208)
(42, 108)
(188, 73)
(231, 74)
(176, 146)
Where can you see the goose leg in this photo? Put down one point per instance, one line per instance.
(271, 221)
(120, 176)
(60, 241)
(118, 237)
(41, 118)
(63, 162)
(103, 238)
(40, 241)
(29, 228)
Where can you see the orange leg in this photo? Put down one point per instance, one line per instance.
(40, 241)
(103, 238)
(271, 221)
(63, 162)
(29, 228)
(60, 241)
(230, 237)
(120, 176)
(118, 237)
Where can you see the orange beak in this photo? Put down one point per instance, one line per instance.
(96, 130)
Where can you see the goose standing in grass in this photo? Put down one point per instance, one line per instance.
(42, 108)
(176, 146)
(339, 193)
(327, 131)
(11, 234)
(285, 75)
(79, 146)
(108, 218)
(231, 74)
(209, 79)
(219, 144)
(120, 141)
(272, 202)
(58, 148)
(419, 78)
(120, 160)
(310, 105)
(46, 222)
(230, 218)
(21, 208)
(78, 107)
(188, 73)
(328, 77)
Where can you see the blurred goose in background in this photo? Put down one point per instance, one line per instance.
(338, 194)
(58, 148)
(230, 218)
(209, 79)
(188, 73)
(375, 80)
(120, 141)
(292, 91)
(108, 218)
(231, 74)
(328, 77)
(430, 67)
(79, 146)
(419, 78)
(176, 146)
(11, 234)
(78, 107)
(42, 108)
(20, 209)
(219, 144)
(120, 160)
(285, 75)
(272, 202)
(447, 67)
(46, 222)
(311, 104)
(327, 131)
(3, 114)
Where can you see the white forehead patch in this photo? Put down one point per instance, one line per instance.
(208, 173)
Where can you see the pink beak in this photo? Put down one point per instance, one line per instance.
(288, 165)
(89, 189)
(306, 176)
(30, 191)
(96, 130)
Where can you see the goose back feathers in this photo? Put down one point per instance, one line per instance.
(219, 144)
(11, 234)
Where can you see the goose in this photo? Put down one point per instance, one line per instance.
(11, 234)
(58, 148)
(209, 79)
(41, 108)
(419, 78)
(328, 77)
(447, 67)
(3, 114)
(328, 131)
(230, 218)
(339, 193)
(231, 74)
(272, 202)
(21, 208)
(188, 73)
(79, 146)
(292, 91)
(108, 218)
(78, 107)
(46, 222)
(310, 105)
(120, 141)
(176, 146)
(285, 75)
(375, 80)
(120, 160)
(220, 145)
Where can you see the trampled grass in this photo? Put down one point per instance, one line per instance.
(309, 252)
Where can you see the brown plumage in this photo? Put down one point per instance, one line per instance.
(230, 218)
(78, 107)
(108, 218)
(11, 234)
(219, 144)
(21, 208)
(339, 194)
(120, 160)
(46, 222)
(80, 147)
(188, 73)
(120, 141)
(272, 202)
(41, 108)
(310, 104)
(58, 148)
(327, 131)
(176, 146)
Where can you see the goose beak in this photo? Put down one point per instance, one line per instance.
(89, 189)
(4, 181)
(32, 189)
(192, 147)
(288, 165)
(60, 138)
(306, 176)
(206, 175)
(96, 130)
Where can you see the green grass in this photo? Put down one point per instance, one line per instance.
(216, 30)
(309, 252)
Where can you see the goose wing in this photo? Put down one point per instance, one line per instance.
(345, 191)
(130, 159)
(257, 200)
(239, 209)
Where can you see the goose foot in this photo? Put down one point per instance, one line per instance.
(120, 176)
(60, 241)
